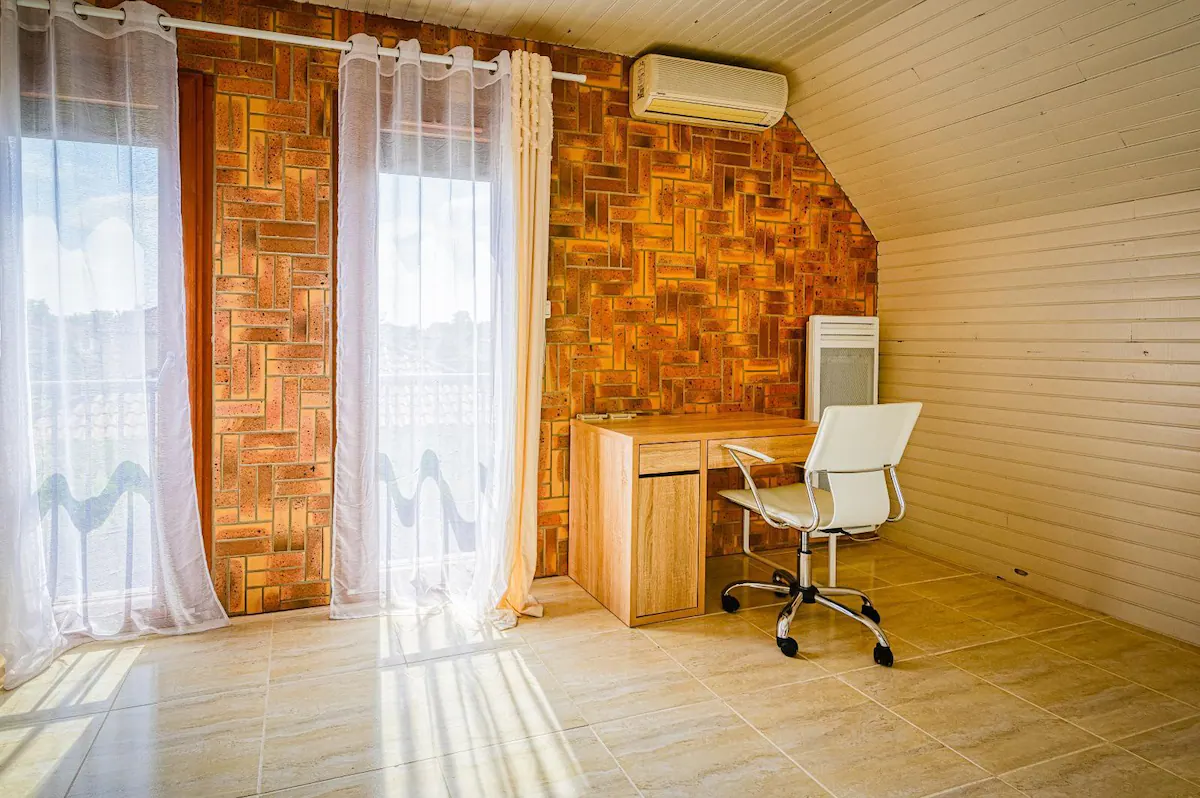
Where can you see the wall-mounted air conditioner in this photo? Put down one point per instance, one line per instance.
(702, 93)
(843, 363)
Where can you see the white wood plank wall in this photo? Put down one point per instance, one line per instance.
(1059, 362)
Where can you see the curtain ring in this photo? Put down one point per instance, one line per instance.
(76, 6)
(159, 20)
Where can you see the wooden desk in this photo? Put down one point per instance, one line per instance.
(638, 503)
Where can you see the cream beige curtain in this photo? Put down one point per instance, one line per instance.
(532, 126)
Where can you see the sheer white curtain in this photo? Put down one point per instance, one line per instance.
(426, 363)
(99, 527)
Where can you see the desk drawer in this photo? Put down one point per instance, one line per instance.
(787, 448)
(666, 458)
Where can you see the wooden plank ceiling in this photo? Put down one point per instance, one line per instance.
(934, 115)
(759, 33)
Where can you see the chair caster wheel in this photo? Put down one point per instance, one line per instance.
(729, 603)
(870, 612)
(788, 646)
(883, 656)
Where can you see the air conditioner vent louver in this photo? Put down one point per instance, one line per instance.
(703, 93)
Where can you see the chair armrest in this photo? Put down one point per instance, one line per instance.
(733, 447)
(734, 451)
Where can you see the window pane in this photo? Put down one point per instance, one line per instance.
(92, 210)
(435, 310)
(90, 215)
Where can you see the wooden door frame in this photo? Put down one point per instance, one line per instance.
(197, 106)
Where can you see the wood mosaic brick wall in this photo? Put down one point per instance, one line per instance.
(272, 281)
(684, 262)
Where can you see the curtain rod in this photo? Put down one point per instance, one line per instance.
(84, 10)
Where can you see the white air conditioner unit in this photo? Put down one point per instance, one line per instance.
(843, 363)
(702, 93)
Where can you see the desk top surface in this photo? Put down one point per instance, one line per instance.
(704, 426)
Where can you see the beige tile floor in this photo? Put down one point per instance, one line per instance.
(996, 692)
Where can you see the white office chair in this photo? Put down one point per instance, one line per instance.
(855, 446)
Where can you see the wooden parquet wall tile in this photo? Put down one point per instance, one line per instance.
(684, 262)
(272, 463)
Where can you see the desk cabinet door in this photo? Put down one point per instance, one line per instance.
(668, 515)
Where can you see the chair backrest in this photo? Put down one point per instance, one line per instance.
(866, 439)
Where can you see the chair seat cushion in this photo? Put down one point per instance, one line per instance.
(787, 504)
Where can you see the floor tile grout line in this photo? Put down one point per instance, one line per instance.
(1193, 716)
(683, 667)
(1007, 586)
(632, 715)
(1109, 671)
(1194, 782)
(87, 753)
(1063, 653)
(578, 636)
(1055, 628)
(1047, 760)
(886, 585)
(1157, 637)
(1102, 741)
(1062, 604)
(22, 721)
(467, 651)
(1117, 744)
(434, 758)
(616, 761)
(103, 721)
(1009, 784)
(564, 728)
(437, 763)
(1008, 637)
(990, 777)
(1022, 699)
(111, 708)
(262, 740)
(984, 620)
(756, 730)
(785, 754)
(550, 671)
(952, 748)
(588, 724)
(926, 732)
